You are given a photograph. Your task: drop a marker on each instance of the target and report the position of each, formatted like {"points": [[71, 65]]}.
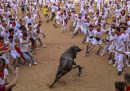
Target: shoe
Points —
{"points": [[30, 64], [119, 73], [110, 62], [35, 63], [44, 46], [128, 65], [101, 54], [114, 65]]}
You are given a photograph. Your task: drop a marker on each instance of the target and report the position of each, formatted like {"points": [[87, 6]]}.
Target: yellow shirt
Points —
{"points": [[45, 11]]}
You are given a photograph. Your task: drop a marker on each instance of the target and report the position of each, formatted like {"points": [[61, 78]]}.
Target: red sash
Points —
{"points": [[127, 88]]}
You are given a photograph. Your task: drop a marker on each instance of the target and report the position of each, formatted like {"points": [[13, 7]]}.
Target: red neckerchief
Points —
{"points": [[127, 88], [118, 34]]}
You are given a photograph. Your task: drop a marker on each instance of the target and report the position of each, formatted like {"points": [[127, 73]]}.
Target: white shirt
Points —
{"points": [[98, 34], [12, 46], [58, 14], [18, 34], [119, 42], [30, 20], [25, 47], [79, 22], [40, 2], [90, 33], [54, 8], [5, 35], [117, 12]]}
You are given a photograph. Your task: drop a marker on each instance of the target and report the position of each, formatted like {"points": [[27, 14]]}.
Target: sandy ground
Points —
{"points": [[97, 74]]}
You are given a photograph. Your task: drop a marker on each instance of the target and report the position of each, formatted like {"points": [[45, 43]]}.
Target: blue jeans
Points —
{"points": [[28, 56]]}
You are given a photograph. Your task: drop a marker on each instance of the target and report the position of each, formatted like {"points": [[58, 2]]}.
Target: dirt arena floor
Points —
{"points": [[97, 74]]}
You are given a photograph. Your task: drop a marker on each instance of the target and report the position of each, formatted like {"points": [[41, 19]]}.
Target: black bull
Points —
{"points": [[67, 63]]}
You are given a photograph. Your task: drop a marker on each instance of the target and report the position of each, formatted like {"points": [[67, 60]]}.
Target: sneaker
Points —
{"points": [[35, 63], [114, 65], [102, 54], [110, 62], [30, 64], [44, 46], [128, 65]]}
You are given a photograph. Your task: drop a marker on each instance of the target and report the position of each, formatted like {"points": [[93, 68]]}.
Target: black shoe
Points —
{"points": [[119, 73]]}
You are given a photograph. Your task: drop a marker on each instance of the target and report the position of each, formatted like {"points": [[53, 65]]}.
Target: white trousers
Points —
{"points": [[14, 54], [119, 61]]}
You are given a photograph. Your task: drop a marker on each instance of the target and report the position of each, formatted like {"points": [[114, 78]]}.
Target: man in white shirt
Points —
{"points": [[25, 48], [13, 52], [29, 19], [119, 39], [5, 34], [54, 8], [79, 25]]}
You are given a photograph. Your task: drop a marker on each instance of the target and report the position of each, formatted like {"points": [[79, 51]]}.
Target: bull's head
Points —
{"points": [[75, 49]]}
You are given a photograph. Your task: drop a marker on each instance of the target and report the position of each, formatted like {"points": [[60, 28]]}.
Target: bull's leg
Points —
{"points": [[79, 68], [58, 76], [74, 63]]}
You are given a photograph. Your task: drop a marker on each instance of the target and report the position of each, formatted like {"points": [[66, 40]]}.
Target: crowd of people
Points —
{"points": [[100, 23]]}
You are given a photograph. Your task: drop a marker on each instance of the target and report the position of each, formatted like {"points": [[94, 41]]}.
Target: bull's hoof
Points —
{"points": [[50, 86], [80, 72]]}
